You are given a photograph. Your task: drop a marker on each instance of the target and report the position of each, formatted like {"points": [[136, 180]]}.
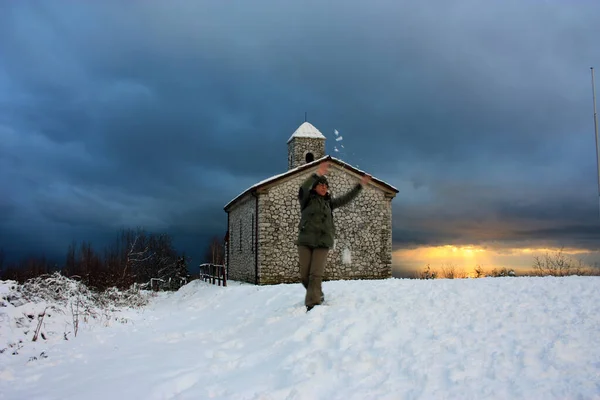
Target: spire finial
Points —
{"points": [[305, 116]]}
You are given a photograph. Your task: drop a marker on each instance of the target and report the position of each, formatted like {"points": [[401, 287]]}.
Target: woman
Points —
{"points": [[317, 229]]}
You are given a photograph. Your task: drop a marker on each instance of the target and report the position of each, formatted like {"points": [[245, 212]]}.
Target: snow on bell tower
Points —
{"points": [[305, 145]]}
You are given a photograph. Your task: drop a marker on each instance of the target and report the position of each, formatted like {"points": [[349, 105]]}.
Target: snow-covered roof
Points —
{"points": [[304, 167], [307, 130]]}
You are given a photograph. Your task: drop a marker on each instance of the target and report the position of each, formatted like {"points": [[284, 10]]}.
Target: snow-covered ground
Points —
{"points": [[492, 338]]}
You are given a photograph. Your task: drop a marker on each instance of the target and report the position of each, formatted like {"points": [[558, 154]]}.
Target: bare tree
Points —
{"points": [[138, 254], [127, 259], [215, 251], [558, 264], [135, 256], [70, 262], [175, 275], [86, 255], [32, 266]]}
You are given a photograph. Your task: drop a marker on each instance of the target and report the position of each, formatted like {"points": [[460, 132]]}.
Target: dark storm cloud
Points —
{"points": [[158, 113]]}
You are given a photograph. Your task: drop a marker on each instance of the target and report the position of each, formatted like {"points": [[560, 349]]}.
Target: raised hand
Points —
{"points": [[323, 168], [365, 179]]}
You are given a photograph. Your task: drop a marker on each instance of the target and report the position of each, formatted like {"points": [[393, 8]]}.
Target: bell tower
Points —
{"points": [[305, 145]]}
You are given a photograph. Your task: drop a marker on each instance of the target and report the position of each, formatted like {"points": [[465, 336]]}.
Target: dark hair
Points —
{"points": [[321, 179]]}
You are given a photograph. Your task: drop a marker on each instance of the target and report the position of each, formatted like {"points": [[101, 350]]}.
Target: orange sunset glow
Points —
{"points": [[408, 262]]}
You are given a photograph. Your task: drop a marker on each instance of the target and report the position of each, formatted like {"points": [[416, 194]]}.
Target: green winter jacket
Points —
{"points": [[316, 228]]}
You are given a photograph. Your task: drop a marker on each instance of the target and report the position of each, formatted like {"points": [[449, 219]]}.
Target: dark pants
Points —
{"points": [[312, 265]]}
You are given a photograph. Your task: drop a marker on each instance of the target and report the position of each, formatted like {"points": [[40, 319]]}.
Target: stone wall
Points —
{"points": [[363, 246], [242, 252], [298, 147]]}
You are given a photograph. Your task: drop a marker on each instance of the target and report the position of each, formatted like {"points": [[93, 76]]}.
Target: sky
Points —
{"points": [[490, 338], [156, 114]]}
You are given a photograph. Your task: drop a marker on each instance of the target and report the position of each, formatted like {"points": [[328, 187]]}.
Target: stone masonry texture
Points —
{"points": [[363, 242], [299, 147], [242, 254]]}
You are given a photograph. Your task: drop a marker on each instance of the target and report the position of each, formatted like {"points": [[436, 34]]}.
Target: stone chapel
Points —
{"points": [[262, 221]]}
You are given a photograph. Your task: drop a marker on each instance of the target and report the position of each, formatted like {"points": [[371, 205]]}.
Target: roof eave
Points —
{"points": [[254, 189], [294, 136]]}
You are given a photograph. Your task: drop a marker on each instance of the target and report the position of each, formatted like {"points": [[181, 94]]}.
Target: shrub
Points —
{"points": [[450, 271], [479, 272], [428, 273], [496, 273]]}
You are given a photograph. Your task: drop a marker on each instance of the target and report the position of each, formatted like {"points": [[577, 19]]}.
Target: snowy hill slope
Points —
{"points": [[492, 338]]}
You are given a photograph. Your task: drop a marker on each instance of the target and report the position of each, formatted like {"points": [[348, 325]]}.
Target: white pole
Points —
{"points": [[596, 131]]}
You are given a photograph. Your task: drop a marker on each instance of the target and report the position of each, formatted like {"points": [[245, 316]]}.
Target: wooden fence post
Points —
{"points": [[213, 273]]}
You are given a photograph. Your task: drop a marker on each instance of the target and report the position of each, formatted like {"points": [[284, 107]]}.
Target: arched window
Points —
{"points": [[309, 157]]}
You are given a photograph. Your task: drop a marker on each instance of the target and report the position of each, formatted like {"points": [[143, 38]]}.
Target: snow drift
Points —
{"points": [[491, 338]]}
